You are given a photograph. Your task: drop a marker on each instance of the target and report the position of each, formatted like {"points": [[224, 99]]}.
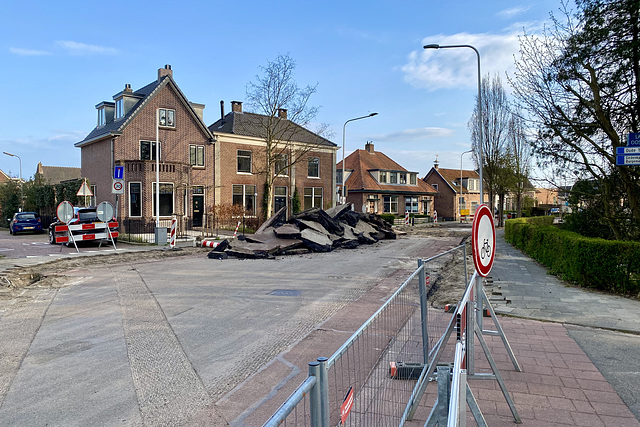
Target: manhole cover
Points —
{"points": [[285, 293]]}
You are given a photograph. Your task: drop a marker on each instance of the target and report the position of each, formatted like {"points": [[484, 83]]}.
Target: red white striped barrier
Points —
{"points": [[172, 240], [236, 232], [209, 244], [406, 218], [101, 228]]}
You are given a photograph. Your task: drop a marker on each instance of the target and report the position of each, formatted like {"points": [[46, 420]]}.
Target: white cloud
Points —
{"points": [[513, 11], [28, 52], [77, 48], [454, 68], [414, 135]]}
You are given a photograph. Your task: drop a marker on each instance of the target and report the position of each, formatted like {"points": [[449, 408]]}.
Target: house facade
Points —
{"points": [[455, 196], [125, 135], [303, 161], [377, 184]]}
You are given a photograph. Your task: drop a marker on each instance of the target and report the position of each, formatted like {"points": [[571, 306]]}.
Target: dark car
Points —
{"points": [[80, 216], [25, 221]]}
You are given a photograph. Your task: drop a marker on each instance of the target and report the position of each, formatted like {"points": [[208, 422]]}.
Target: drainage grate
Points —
{"points": [[285, 293]]}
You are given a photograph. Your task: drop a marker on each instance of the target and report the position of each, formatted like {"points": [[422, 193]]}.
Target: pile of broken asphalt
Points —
{"points": [[313, 230]]}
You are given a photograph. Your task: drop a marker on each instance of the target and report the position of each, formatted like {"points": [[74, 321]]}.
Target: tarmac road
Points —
{"points": [[156, 343]]}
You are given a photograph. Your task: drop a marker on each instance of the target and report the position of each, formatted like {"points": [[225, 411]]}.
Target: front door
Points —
{"points": [[198, 210]]}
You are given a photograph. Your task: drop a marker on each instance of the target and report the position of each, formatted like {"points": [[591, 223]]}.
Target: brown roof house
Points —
{"points": [[301, 160], [125, 135], [57, 174], [453, 198], [4, 177], [377, 184]]}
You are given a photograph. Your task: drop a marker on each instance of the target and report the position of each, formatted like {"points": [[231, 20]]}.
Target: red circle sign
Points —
{"points": [[117, 186], [483, 240]]}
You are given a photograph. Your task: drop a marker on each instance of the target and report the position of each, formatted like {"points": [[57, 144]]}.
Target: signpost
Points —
{"points": [[633, 139], [629, 155], [117, 186], [483, 240]]}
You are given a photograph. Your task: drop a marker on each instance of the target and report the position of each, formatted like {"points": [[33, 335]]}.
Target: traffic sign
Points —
{"points": [[105, 211], [483, 240], [118, 172], [627, 150], [633, 139], [628, 160], [117, 186], [64, 211], [84, 190]]}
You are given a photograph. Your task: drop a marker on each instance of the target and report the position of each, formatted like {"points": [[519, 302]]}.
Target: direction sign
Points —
{"points": [[628, 160], [627, 150], [118, 172], [483, 240], [117, 186], [64, 211], [633, 139]]}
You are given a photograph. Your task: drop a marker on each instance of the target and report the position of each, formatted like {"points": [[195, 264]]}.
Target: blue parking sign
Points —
{"points": [[118, 172]]}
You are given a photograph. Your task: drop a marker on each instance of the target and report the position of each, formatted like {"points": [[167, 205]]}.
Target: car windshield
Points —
{"points": [[87, 215], [26, 216]]}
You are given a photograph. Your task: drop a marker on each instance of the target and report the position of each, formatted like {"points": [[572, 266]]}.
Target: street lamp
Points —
{"points": [[437, 46], [460, 200], [21, 195], [344, 128]]}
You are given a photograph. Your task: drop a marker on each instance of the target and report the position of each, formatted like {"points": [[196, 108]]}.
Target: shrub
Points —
{"points": [[590, 262], [388, 218]]}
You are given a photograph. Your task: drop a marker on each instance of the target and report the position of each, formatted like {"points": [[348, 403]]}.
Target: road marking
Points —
{"points": [[6, 249]]}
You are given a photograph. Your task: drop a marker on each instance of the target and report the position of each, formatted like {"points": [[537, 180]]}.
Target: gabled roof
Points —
{"points": [[146, 93], [4, 177], [254, 125], [57, 174], [362, 162], [452, 176]]}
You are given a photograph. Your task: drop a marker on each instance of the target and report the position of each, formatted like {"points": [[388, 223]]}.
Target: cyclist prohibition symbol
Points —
{"points": [[483, 240]]}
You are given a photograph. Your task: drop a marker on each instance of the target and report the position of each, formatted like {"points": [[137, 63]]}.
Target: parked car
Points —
{"points": [[80, 216], [25, 221]]}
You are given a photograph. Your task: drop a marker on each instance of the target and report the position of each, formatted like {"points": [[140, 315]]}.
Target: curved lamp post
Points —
{"points": [[344, 128], [21, 195], [480, 159]]}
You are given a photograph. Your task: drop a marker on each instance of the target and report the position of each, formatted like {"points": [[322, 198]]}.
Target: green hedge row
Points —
{"points": [[607, 265]]}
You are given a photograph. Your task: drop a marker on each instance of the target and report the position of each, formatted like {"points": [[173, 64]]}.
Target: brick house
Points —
{"points": [[307, 162], [125, 135], [447, 181], [377, 184]]}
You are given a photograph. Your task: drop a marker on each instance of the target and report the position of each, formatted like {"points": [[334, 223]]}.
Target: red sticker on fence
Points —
{"points": [[346, 406]]}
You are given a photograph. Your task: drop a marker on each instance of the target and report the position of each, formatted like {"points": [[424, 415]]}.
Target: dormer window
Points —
{"points": [[383, 177], [102, 118], [413, 179], [403, 178], [119, 108], [166, 117]]}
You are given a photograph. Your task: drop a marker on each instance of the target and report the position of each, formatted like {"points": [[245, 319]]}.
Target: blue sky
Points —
{"points": [[60, 59]]}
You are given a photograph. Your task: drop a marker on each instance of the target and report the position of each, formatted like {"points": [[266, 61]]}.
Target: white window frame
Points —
{"points": [[250, 161], [152, 150], [281, 159], [411, 204], [168, 112], [313, 197], [390, 201], [119, 108], [384, 177], [129, 199], [309, 162], [102, 117], [244, 197], [173, 198], [393, 177], [413, 179], [196, 149]]}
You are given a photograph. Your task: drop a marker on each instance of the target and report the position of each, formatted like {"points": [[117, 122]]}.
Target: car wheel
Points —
{"points": [[52, 239]]}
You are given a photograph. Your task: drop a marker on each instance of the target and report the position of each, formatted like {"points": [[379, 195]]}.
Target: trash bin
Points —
{"points": [[161, 236]]}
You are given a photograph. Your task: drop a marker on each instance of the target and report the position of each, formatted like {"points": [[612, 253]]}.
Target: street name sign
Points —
{"points": [[633, 139], [628, 160], [627, 150]]}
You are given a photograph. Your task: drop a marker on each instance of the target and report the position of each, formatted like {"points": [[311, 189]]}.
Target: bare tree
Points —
{"points": [[495, 127], [580, 85], [285, 110], [520, 153]]}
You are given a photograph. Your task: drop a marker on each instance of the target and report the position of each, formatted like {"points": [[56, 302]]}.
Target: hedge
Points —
{"points": [[607, 265]]}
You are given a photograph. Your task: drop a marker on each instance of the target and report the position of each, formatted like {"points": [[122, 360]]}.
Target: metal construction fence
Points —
{"points": [[371, 377]]}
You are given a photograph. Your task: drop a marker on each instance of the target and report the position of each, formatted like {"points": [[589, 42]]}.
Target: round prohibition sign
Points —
{"points": [[117, 186], [483, 240]]}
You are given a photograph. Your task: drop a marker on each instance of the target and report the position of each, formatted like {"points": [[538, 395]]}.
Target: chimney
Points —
{"points": [[369, 147], [221, 113], [198, 108], [282, 113], [236, 106], [436, 163], [166, 71], [127, 88]]}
